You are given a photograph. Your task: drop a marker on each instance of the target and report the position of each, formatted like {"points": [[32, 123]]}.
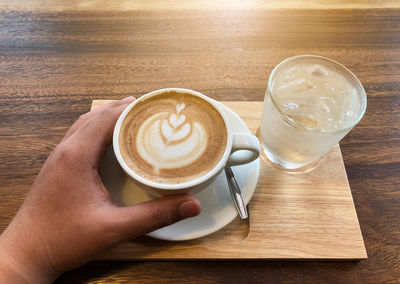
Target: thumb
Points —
{"points": [[145, 217]]}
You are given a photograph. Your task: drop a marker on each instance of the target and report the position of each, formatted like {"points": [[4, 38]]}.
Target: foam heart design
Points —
{"points": [[166, 130], [172, 135], [190, 143], [180, 107], [176, 121]]}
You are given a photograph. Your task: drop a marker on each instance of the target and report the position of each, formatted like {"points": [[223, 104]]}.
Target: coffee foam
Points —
{"points": [[172, 138]]}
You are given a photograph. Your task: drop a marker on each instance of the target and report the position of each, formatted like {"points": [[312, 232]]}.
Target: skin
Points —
{"points": [[68, 216]]}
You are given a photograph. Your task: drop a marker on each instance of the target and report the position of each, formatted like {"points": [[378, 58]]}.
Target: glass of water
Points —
{"points": [[310, 104]]}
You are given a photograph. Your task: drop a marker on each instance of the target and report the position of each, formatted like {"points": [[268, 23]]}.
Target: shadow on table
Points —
{"points": [[210, 271]]}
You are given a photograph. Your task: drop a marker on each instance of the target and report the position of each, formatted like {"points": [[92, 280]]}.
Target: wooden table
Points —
{"points": [[56, 57]]}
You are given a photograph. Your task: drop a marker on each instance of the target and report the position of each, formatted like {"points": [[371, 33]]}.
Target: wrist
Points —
{"points": [[20, 263]]}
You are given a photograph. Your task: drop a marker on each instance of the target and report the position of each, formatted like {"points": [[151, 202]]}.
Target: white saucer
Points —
{"points": [[218, 209]]}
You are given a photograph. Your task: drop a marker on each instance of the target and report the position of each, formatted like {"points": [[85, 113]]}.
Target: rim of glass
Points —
{"points": [[352, 76]]}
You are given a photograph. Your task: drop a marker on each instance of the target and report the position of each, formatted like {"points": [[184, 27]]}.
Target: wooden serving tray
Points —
{"points": [[292, 216]]}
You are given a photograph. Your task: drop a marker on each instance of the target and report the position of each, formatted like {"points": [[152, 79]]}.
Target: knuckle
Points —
{"points": [[106, 112], [66, 152], [84, 116], [116, 103], [111, 105]]}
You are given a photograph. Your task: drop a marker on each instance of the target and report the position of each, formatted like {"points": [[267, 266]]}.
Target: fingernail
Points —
{"points": [[130, 98], [189, 209]]}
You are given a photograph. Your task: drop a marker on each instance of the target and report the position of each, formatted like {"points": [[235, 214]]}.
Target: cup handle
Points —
{"points": [[248, 144]]}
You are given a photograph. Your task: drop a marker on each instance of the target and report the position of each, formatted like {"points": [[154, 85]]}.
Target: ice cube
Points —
{"points": [[307, 121], [325, 107], [300, 111], [355, 101], [296, 86], [350, 101], [290, 106], [317, 71], [351, 105], [323, 114], [328, 86], [290, 75]]}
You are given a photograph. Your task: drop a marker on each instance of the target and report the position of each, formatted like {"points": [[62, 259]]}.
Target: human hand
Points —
{"points": [[68, 216]]}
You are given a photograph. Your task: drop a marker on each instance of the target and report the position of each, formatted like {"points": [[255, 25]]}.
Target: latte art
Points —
{"points": [[172, 138], [168, 141]]}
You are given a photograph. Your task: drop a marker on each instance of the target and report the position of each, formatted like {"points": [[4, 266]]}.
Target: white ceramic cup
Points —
{"points": [[247, 144]]}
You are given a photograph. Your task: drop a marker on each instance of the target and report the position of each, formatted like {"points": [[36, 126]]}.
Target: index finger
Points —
{"points": [[95, 134], [84, 117]]}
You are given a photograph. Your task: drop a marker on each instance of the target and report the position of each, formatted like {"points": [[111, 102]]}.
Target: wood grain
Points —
{"points": [[53, 64], [132, 5], [307, 216]]}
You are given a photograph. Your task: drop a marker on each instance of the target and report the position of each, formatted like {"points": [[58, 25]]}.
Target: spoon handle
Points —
{"points": [[236, 193]]}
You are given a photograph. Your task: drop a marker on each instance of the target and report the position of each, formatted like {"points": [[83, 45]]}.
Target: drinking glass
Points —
{"points": [[310, 104]]}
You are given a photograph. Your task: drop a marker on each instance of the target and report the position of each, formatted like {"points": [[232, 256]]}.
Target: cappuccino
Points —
{"points": [[172, 138]]}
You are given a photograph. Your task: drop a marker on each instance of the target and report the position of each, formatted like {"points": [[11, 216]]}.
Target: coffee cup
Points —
{"points": [[174, 141]]}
